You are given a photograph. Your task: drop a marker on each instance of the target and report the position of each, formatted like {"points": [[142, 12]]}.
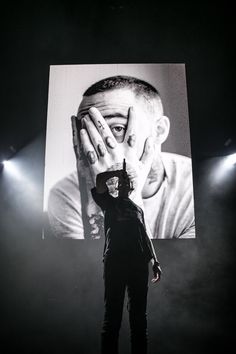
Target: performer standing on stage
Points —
{"points": [[127, 252]]}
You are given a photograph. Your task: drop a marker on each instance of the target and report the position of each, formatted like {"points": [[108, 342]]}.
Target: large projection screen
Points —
{"points": [[168, 202]]}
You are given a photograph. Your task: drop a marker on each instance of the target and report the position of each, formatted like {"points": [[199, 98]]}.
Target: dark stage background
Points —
{"points": [[52, 293]]}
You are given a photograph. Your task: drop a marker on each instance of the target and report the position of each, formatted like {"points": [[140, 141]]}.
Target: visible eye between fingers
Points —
{"points": [[118, 130]]}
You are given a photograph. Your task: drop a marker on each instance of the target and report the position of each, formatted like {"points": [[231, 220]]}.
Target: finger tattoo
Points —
{"points": [[91, 157], [110, 142], [131, 140], [101, 150], [100, 125]]}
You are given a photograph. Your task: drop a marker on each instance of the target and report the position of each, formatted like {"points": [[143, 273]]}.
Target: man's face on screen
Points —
{"points": [[114, 106]]}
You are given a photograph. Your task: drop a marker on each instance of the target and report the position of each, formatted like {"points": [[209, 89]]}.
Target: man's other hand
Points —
{"points": [[156, 272]]}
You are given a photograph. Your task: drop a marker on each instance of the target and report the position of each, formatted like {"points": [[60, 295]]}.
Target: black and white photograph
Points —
{"points": [[99, 115], [117, 177]]}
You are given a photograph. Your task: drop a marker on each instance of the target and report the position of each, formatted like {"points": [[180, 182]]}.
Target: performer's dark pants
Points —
{"points": [[117, 277]]}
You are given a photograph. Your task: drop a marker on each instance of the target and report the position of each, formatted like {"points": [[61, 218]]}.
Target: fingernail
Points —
{"points": [[92, 109], [91, 157], [110, 142], [101, 150], [82, 131]]}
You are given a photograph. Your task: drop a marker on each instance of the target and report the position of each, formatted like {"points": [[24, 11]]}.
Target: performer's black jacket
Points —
{"points": [[125, 231]]}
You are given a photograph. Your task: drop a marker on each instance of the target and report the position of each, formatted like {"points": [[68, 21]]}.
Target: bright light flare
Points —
{"points": [[230, 161], [11, 168], [223, 168]]}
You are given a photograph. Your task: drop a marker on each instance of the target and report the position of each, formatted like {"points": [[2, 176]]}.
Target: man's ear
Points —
{"points": [[162, 129]]}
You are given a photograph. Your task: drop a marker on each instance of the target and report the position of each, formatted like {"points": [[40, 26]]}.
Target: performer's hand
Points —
{"points": [[156, 272], [98, 144]]}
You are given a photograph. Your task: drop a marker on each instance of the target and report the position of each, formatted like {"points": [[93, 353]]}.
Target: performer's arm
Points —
{"points": [[155, 263], [103, 177], [149, 241]]}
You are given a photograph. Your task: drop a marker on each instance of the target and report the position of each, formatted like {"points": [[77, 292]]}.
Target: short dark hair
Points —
{"points": [[139, 87]]}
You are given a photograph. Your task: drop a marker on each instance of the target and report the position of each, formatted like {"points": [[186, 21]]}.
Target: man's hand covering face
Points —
{"points": [[102, 151]]}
